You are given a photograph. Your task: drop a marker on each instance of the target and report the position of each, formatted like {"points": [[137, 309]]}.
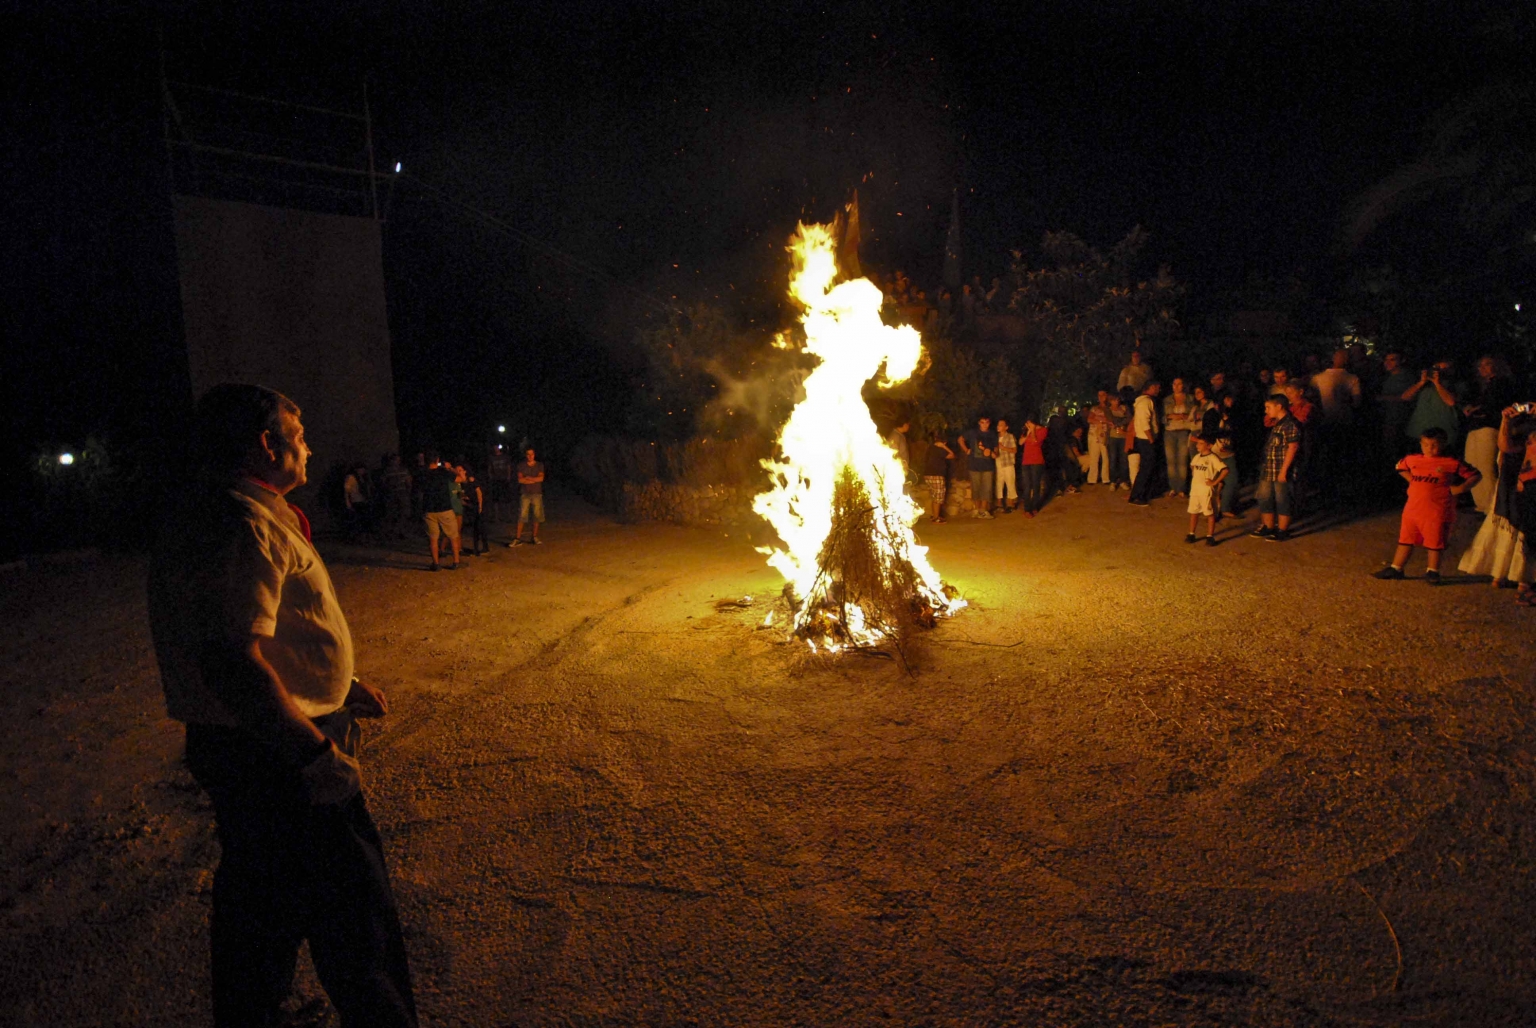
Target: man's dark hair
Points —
{"points": [[1435, 433], [1279, 400], [433, 456], [1150, 384], [229, 421]]}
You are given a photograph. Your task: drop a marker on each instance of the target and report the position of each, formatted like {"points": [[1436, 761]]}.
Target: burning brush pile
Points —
{"points": [[856, 576]]}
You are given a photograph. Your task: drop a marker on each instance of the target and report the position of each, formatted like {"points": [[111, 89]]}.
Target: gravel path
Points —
{"points": [[1137, 783]]}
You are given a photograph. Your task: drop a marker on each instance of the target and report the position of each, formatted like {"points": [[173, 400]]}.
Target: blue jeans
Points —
{"points": [[1176, 449], [1273, 497]]}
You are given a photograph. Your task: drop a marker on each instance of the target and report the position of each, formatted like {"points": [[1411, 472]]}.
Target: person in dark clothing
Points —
{"points": [[437, 496], [1058, 476], [257, 661], [472, 497]]}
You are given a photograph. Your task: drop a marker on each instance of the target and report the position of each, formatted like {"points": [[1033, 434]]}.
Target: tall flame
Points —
{"points": [[831, 431]]}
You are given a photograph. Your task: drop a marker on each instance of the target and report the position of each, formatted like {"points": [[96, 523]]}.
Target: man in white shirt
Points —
{"points": [[1337, 460], [1338, 390], [257, 660], [1145, 430], [1134, 375]]}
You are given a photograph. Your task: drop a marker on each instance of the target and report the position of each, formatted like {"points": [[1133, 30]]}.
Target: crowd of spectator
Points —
{"points": [[446, 498], [1308, 441]]}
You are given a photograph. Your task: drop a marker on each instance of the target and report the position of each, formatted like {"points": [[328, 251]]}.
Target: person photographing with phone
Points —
{"points": [[1435, 397], [257, 661]]}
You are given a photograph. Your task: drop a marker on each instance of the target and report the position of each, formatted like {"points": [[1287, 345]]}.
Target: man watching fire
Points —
{"points": [[257, 661]]}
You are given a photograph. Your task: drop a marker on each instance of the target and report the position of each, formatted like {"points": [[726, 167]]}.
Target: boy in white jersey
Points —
{"points": [[1206, 474]]}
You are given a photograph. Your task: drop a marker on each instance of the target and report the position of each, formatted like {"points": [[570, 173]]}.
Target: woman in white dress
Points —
{"points": [[1499, 550]]}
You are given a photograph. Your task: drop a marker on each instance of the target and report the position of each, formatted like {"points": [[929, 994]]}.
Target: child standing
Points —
{"points": [[936, 477], [1006, 456], [1207, 472], [1434, 481]]}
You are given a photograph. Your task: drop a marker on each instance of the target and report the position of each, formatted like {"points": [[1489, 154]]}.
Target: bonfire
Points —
{"points": [[855, 574]]}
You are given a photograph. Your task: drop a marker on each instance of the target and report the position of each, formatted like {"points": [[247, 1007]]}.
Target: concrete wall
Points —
{"points": [[293, 300]]}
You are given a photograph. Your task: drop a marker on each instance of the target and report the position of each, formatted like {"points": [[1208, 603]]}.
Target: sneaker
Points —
{"points": [[1388, 573], [1262, 532], [1433, 577], [537, 541], [1140, 503], [985, 515], [435, 567], [1278, 537], [1190, 537], [1210, 540], [454, 566], [515, 542], [1029, 513]]}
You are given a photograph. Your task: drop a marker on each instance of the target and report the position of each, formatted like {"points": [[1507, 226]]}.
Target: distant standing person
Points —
{"points": [[1207, 472], [395, 483], [936, 477], [1143, 456], [500, 474], [1098, 441], [257, 661], [1006, 459], [1434, 404], [473, 499], [1491, 392], [1392, 409], [979, 444], [1282, 450], [1135, 374], [1498, 550], [1435, 479], [530, 505], [1117, 442], [354, 495], [1032, 466], [1179, 423], [437, 515], [897, 441]]}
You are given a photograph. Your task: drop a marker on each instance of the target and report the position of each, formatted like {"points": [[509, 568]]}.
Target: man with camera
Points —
{"points": [[1434, 399]]}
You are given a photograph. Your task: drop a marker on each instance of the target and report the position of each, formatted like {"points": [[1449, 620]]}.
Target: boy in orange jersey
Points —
{"points": [[1434, 482]]}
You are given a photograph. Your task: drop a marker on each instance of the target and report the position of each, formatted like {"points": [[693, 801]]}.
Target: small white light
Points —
{"points": [[1517, 306], [66, 458], [501, 428], [397, 167]]}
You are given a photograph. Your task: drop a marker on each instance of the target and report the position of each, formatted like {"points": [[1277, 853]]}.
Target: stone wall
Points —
{"points": [[685, 504]]}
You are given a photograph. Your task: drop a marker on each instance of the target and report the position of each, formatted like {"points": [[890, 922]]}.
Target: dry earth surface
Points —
{"points": [[1136, 783]]}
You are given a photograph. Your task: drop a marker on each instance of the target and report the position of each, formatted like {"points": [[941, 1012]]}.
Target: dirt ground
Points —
{"points": [[1136, 783]]}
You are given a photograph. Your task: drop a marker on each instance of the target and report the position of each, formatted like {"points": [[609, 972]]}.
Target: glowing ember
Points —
{"points": [[837, 500]]}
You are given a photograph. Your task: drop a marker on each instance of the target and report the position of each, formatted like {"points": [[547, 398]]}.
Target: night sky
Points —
{"points": [[675, 145]]}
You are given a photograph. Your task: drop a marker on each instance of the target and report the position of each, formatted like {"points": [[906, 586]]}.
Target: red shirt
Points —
{"points": [[1030, 445], [1430, 480]]}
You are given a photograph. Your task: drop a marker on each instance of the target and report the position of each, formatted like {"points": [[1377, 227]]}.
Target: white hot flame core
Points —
{"points": [[831, 429]]}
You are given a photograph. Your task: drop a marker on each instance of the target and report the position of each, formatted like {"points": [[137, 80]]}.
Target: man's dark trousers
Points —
{"points": [[291, 871], [1146, 473]]}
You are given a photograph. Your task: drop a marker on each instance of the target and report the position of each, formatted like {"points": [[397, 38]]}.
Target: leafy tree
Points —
{"points": [[1085, 309], [1457, 224]]}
